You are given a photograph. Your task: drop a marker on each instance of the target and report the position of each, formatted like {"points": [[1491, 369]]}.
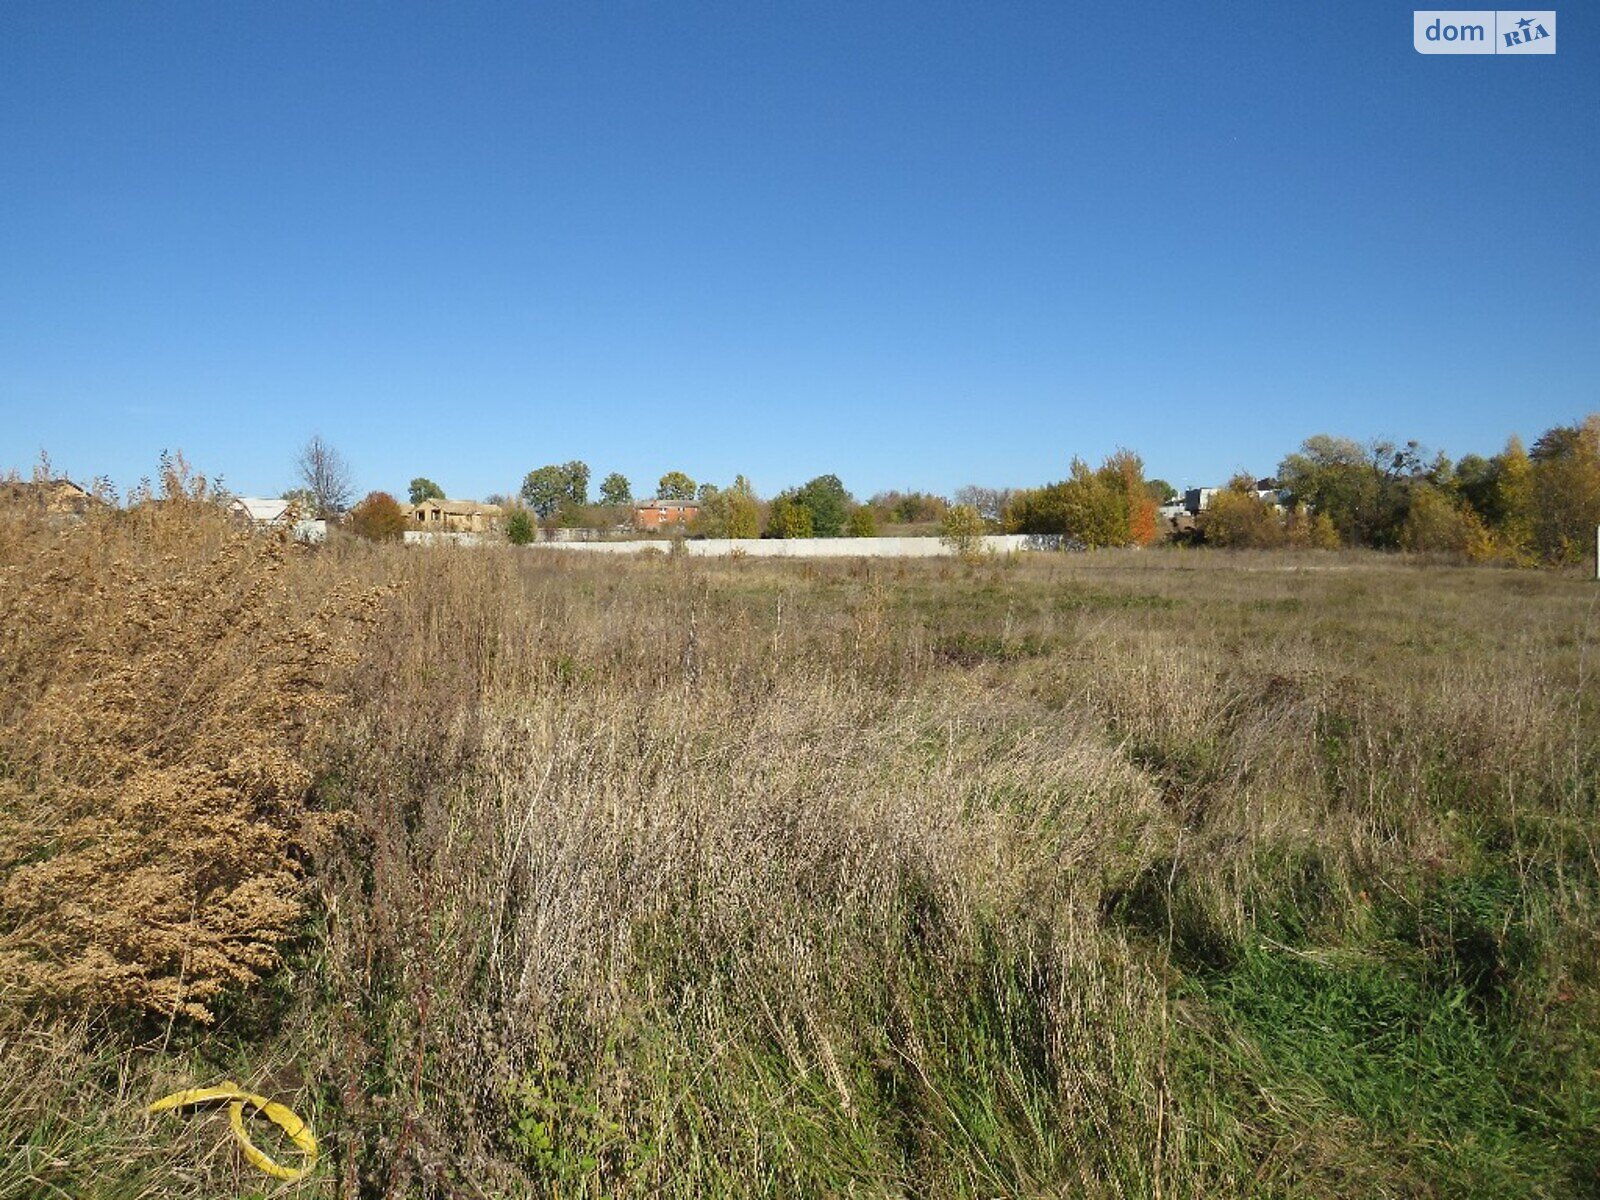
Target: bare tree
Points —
{"points": [[990, 503], [326, 476]]}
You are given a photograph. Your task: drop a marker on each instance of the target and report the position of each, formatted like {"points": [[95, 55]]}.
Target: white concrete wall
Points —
{"points": [[887, 547], [579, 535], [430, 537]]}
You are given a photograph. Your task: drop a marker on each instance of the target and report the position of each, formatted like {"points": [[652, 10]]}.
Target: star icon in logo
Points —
{"points": [[1524, 23]]}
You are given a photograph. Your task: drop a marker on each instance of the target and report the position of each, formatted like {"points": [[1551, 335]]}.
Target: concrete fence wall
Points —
{"points": [[440, 537], [886, 547]]}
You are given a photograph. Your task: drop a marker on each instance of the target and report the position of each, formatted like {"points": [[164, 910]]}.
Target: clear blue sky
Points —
{"points": [[917, 244]]}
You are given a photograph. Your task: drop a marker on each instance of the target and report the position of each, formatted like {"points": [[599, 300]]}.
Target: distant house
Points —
{"points": [[453, 516], [259, 510], [265, 512], [656, 513], [58, 497], [1197, 500]]}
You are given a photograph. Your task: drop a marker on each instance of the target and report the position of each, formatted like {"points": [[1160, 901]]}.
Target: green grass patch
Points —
{"points": [[1102, 601], [1425, 1034], [972, 649]]}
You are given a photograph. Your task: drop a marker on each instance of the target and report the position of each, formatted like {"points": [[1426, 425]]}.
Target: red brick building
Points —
{"points": [[658, 514]]}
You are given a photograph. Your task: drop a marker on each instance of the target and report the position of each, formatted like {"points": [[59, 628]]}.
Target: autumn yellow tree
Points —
{"points": [[1089, 507], [1436, 523], [1128, 468], [1514, 485], [1564, 490], [1307, 530], [788, 519]]}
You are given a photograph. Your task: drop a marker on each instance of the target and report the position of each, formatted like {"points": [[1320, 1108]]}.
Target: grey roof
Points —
{"points": [[262, 509]]}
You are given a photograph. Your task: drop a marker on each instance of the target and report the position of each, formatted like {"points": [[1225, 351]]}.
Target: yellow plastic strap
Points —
{"points": [[279, 1114]]}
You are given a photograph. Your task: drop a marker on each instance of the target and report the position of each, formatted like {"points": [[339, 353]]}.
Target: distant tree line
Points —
{"points": [[1518, 506]]}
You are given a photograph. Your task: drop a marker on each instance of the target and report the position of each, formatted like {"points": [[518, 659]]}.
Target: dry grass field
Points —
{"points": [[1159, 874]]}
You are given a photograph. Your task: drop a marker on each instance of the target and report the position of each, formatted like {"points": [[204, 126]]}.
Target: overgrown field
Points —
{"points": [[1159, 873]]}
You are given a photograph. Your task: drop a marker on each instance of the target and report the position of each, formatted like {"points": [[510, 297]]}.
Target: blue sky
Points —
{"points": [[915, 244]]}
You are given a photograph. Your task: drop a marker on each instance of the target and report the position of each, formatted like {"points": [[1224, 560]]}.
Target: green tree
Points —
{"points": [[616, 490], [829, 504], [1334, 476], [712, 519], [961, 528], [909, 508], [788, 518], [423, 488], [675, 485], [862, 522], [1477, 483], [546, 489], [1160, 491], [577, 473], [520, 529], [1399, 471], [1033, 510], [377, 518]]}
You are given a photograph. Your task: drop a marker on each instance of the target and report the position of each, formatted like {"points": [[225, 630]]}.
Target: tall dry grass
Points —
{"points": [[1156, 874]]}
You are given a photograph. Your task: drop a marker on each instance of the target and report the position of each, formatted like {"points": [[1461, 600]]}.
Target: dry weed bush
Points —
{"points": [[165, 683]]}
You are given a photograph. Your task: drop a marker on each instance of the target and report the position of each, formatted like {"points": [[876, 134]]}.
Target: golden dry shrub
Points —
{"points": [[164, 673]]}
